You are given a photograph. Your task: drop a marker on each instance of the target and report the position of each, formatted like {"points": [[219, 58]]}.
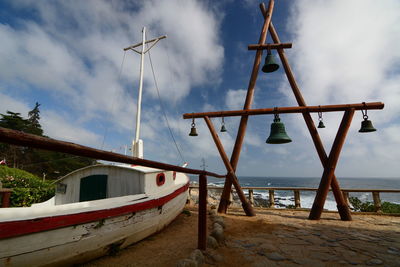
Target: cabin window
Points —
{"points": [[61, 188], [160, 179], [93, 187]]}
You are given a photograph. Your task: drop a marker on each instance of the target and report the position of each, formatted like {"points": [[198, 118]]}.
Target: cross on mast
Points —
{"points": [[137, 143]]}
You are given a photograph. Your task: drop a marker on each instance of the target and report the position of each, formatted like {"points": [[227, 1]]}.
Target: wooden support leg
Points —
{"points": [[343, 209], [329, 169], [231, 176], [202, 223], [224, 203]]}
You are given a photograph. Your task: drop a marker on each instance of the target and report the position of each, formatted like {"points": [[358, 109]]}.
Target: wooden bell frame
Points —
{"points": [[329, 163]]}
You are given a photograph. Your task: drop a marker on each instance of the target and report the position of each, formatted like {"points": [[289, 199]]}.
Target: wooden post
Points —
{"points": [[346, 198], [297, 199], [329, 170], [377, 201], [224, 203], [271, 199], [5, 200], [251, 197], [202, 224], [248, 209], [343, 209]]}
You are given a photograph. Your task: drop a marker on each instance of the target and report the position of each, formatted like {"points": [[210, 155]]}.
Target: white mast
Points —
{"points": [[137, 143]]}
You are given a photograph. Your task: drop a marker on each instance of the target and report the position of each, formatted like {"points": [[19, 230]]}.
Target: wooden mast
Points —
{"points": [[137, 143]]}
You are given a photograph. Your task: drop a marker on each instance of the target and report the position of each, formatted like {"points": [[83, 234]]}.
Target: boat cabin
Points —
{"points": [[108, 181]]}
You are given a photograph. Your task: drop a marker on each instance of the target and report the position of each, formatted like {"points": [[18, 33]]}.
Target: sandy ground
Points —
{"points": [[273, 238]]}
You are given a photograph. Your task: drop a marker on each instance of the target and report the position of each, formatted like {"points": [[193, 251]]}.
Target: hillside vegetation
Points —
{"points": [[27, 188], [48, 164]]}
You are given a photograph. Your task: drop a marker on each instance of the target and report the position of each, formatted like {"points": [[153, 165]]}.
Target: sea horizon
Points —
{"points": [[286, 197]]}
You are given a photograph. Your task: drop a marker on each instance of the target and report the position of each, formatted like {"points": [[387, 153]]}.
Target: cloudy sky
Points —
{"points": [[67, 55]]}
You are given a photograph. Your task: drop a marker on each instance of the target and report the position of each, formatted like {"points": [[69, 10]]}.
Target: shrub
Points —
{"points": [[27, 188], [386, 207]]}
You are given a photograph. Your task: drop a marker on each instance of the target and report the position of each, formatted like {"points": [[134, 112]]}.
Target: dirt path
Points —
{"points": [[273, 238], [165, 248]]}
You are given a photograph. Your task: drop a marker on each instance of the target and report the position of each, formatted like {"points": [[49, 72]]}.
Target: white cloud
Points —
{"points": [[235, 99], [342, 56], [58, 127], [72, 52]]}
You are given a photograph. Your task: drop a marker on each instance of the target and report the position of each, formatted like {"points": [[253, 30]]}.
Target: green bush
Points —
{"points": [[368, 206], [27, 188]]}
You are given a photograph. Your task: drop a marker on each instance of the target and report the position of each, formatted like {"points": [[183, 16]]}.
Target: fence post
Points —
{"points": [[271, 199], [297, 199], [251, 197], [346, 198], [377, 201], [202, 224]]}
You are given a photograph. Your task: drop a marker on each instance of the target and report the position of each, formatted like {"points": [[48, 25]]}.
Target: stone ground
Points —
{"points": [[273, 238]]}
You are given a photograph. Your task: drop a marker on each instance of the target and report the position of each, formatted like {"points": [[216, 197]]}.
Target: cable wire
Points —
{"points": [[113, 101], [163, 110]]}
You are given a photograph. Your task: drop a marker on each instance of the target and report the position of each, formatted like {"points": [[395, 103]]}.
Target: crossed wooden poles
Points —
{"points": [[329, 163]]}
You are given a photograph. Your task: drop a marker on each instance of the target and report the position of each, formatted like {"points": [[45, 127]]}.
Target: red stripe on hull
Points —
{"points": [[16, 228]]}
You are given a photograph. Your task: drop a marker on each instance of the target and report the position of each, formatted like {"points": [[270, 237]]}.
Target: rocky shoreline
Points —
{"points": [[214, 195]]}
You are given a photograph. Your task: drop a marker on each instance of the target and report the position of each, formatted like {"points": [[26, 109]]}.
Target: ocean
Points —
{"points": [[307, 197]]}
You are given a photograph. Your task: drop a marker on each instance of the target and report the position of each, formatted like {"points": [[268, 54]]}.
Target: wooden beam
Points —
{"points": [[269, 46], [223, 205], [282, 110], [330, 167], [202, 219], [29, 140], [231, 173]]}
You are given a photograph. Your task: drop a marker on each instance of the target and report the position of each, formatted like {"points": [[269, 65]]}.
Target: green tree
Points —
{"points": [[39, 162], [33, 119]]}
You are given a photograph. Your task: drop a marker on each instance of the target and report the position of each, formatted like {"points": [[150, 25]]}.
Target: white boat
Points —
{"points": [[96, 210]]}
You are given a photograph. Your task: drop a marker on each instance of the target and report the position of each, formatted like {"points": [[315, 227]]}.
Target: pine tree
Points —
{"points": [[33, 119]]}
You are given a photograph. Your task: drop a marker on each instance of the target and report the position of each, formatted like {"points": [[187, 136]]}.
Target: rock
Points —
{"points": [[212, 242], [213, 212], [220, 223], [218, 234], [186, 263], [217, 218], [197, 256], [214, 257], [374, 262], [275, 256], [218, 226]]}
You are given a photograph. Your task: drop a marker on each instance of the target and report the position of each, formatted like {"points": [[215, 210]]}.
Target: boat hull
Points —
{"points": [[81, 242]]}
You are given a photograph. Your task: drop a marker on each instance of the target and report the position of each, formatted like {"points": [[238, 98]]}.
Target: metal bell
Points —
{"points": [[366, 126], [278, 133], [270, 63], [321, 124], [223, 129], [193, 131]]}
